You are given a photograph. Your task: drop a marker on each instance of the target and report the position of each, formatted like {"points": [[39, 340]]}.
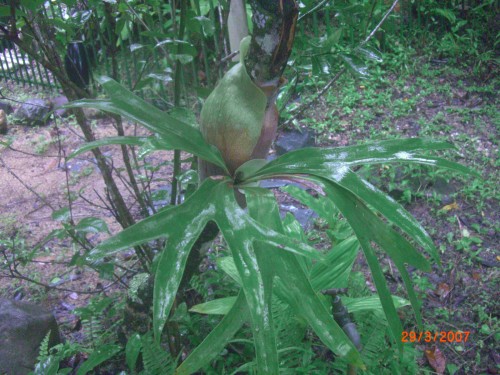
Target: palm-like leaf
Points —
{"points": [[267, 256], [330, 169], [174, 133]]}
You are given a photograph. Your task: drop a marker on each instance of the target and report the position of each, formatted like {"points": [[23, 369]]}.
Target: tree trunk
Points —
{"points": [[237, 25]]}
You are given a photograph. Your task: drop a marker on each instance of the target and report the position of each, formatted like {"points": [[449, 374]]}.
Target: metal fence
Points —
{"points": [[17, 67]]}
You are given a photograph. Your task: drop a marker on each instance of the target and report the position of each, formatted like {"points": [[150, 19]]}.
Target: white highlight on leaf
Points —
{"points": [[403, 155], [339, 172]]}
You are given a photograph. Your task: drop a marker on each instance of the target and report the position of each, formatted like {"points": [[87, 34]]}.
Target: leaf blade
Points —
{"points": [[298, 291], [217, 339], [123, 102]]}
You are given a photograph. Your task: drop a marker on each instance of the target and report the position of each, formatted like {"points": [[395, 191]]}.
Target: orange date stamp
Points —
{"points": [[441, 336]]}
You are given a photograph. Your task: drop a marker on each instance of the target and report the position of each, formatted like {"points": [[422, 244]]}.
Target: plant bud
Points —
{"points": [[237, 118]]}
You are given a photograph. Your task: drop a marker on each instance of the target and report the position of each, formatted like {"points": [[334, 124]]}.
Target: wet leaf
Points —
{"points": [[219, 306], [97, 357], [334, 163], [133, 141], [335, 271], [217, 339], [132, 350], [176, 133], [356, 65], [436, 359], [294, 286], [62, 214], [451, 206], [368, 53], [174, 45], [370, 303], [92, 225]]}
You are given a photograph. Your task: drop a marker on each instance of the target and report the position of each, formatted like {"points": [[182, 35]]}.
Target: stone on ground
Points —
{"points": [[23, 326]]}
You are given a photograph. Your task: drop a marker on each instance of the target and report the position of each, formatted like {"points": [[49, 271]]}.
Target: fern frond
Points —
{"points": [[43, 353], [156, 360]]}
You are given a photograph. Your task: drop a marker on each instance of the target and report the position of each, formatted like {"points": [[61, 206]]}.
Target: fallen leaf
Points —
{"points": [[476, 275], [436, 359], [451, 206], [443, 290]]}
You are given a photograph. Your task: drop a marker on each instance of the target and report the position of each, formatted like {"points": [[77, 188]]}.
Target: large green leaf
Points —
{"points": [[132, 141], [227, 265], [392, 210], [97, 357], [354, 305], [250, 243], [173, 261], [335, 163], [297, 288], [331, 169], [370, 229], [179, 135], [236, 225], [323, 207], [163, 224], [132, 351], [182, 225], [334, 272], [257, 274], [219, 306], [217, 339]]}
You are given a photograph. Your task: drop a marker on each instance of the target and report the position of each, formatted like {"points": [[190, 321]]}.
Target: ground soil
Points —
{"points": [[34, 182]]}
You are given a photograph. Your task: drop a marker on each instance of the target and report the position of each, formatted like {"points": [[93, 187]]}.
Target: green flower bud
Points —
{"points": [[232, 118]]}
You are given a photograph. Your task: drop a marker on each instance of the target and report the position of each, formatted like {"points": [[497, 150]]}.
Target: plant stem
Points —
{"points": [[177, 99]]}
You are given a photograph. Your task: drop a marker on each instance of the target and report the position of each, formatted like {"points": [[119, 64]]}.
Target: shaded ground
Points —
{"points": [[461, 213]]}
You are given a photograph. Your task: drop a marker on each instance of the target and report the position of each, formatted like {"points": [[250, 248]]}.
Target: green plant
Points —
{"points": [[96, 345], [265, 258]]}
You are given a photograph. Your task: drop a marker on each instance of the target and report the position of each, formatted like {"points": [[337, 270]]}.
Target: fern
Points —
{"points": [[98, 325], [43, 353], [135, 284], [379, 356], [156, 360], [48, 359]]}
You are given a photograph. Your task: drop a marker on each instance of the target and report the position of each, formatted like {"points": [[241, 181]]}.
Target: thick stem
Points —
{"points": [[273, 34], [237, 25]]}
